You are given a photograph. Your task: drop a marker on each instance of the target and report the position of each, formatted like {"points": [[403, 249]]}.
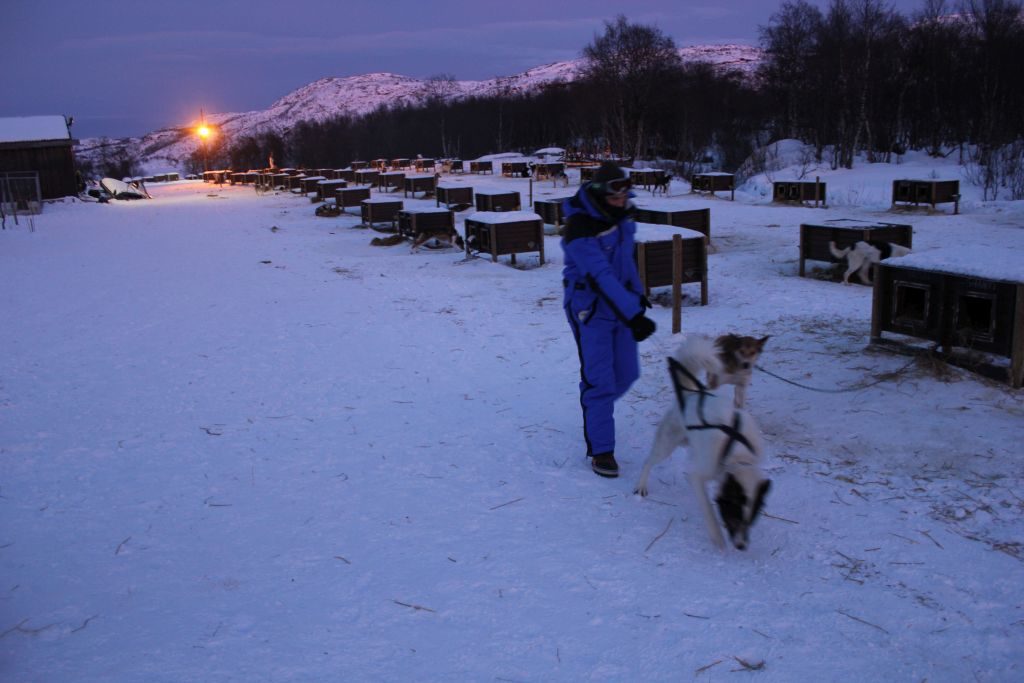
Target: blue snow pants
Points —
{"points": [[609, 364]]}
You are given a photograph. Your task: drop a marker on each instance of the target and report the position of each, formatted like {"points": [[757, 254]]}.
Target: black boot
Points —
{"points": [[604, 464]]}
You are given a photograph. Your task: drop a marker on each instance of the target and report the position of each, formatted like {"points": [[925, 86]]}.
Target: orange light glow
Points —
{"points": [[204, 132]]}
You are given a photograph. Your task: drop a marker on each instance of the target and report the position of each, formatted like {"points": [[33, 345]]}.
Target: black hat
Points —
{"points": [[609, 170], [610, 179]]}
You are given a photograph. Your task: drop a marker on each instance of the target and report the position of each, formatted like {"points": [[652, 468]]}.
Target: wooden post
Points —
{"points": [[803, 237], [492, 230], [540, 238], [876, 306], [817, 179], [1017, 350], [641, 257], [677, 283]]}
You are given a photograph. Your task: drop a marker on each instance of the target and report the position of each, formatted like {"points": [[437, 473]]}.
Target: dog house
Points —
{"points": [[423, 165], [374, 211], [367, 176], [500, 233], [358, 165], [550, 211], [434, 222], [671, 257], [845, 232], [930, 192], [454, 195], [347, 174], [481, 167], [587, 173], [645, 177], [325, 189], [399, 163], [453, 166], [516, 169], [392, 180], [714, 182], [488, 200], [966, 300], [351, 196], [311, 183], [665, 213], [426, 184], [798, 191]]}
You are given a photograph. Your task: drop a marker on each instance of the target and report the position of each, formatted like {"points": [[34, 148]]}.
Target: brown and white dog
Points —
{"points": [[723, 442], [437, 239], [738, 355], [864, 255]]}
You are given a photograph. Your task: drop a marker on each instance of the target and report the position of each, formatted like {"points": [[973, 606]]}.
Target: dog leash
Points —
{"points": [[840, 390]]}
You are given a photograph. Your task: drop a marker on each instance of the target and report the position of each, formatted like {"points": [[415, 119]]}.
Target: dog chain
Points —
{"points": [[840, 390]]}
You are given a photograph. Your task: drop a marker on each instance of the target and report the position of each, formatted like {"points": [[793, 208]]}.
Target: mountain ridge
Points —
{"points": [[167, 149]]}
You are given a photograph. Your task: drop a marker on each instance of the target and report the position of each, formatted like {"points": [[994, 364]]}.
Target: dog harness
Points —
{"points": [[675, 369]]}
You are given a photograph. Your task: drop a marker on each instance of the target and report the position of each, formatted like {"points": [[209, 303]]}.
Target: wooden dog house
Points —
{"points": [[670, 256], [845, 232], [798, 191], [714, 182], [481, 167], [430, 221], [426, 184], [497, 200], [454, 195], [930, 192], [325, 189], [944, 296], [504, 232], [666, 213], [373, 211], [351, 196]]}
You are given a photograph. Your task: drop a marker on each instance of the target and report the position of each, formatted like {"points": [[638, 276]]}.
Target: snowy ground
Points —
{"points": [[238, 443]]}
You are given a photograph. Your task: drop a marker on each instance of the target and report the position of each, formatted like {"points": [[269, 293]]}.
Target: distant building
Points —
{"points": [[43, 145]]}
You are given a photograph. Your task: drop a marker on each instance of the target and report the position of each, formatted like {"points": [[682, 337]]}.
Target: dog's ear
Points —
{"points": [[761, 342]]}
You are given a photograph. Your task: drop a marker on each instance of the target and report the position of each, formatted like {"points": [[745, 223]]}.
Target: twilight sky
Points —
{"points": [[126, 68]]}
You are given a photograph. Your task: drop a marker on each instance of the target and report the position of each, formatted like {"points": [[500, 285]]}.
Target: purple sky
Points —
{"points": [[126, 68]]}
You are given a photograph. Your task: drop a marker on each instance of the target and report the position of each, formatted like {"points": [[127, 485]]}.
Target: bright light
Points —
{"points": [[204, 132]]}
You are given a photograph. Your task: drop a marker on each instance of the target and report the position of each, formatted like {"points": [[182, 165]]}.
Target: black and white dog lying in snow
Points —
{"points": [[864, 255], [724, 444]]}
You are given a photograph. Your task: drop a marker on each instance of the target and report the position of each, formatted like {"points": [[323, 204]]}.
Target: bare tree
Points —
{"points": [[629, 63]]}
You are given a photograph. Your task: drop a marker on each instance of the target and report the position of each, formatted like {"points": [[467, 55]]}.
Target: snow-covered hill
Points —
{"points": [[166, 149]]}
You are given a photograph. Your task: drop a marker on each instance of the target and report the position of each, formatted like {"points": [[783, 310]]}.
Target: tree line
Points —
{"points": [[855, 78]]}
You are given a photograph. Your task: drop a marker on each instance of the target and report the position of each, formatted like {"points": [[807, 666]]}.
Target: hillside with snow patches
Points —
{"points": [[166, 149]]}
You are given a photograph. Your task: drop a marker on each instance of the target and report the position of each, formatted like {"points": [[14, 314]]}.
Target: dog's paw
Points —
{"points": [[640, 491]]}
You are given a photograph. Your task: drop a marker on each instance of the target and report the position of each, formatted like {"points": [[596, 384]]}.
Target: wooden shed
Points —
{"points": [[40, 145]]}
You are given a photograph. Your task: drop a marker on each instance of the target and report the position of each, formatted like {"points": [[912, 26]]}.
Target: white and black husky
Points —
{"points": [[724, 444], [864, 255]]}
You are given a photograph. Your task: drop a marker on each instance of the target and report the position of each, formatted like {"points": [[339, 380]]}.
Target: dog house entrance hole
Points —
{"points": [[910, 303], [976, 317]]}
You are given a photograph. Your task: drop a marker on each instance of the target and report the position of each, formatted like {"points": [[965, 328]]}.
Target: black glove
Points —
{"points": [[645, 302], [642, 327]]}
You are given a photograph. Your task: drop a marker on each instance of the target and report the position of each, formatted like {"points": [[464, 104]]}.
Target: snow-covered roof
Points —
{"points": [[991, 263], [502, 216], [651, 232], [33, 129]]}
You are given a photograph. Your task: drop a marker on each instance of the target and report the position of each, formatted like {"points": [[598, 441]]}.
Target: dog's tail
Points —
{"points": [[698, 353], [837, 252]]}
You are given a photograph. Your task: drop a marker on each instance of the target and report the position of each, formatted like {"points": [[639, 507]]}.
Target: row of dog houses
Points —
{"points": [[953, 310]]}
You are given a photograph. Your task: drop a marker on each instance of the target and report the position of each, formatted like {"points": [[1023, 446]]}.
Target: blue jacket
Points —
{"points": [[599, 264]]}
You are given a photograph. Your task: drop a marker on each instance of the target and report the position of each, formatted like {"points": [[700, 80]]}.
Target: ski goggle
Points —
{"points": [[617, 187]]}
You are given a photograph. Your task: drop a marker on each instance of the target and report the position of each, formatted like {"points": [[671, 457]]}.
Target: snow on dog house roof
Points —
{"points": [[33, 129]]}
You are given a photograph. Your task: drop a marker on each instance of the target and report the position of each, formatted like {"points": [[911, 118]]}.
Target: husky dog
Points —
{"points": [[863, 255], [438, 238], [661, 183], [738, 356], [724, 444]]}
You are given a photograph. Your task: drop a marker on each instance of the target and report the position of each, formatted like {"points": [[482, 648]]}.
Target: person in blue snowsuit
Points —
{"points": [[604, 303]]}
